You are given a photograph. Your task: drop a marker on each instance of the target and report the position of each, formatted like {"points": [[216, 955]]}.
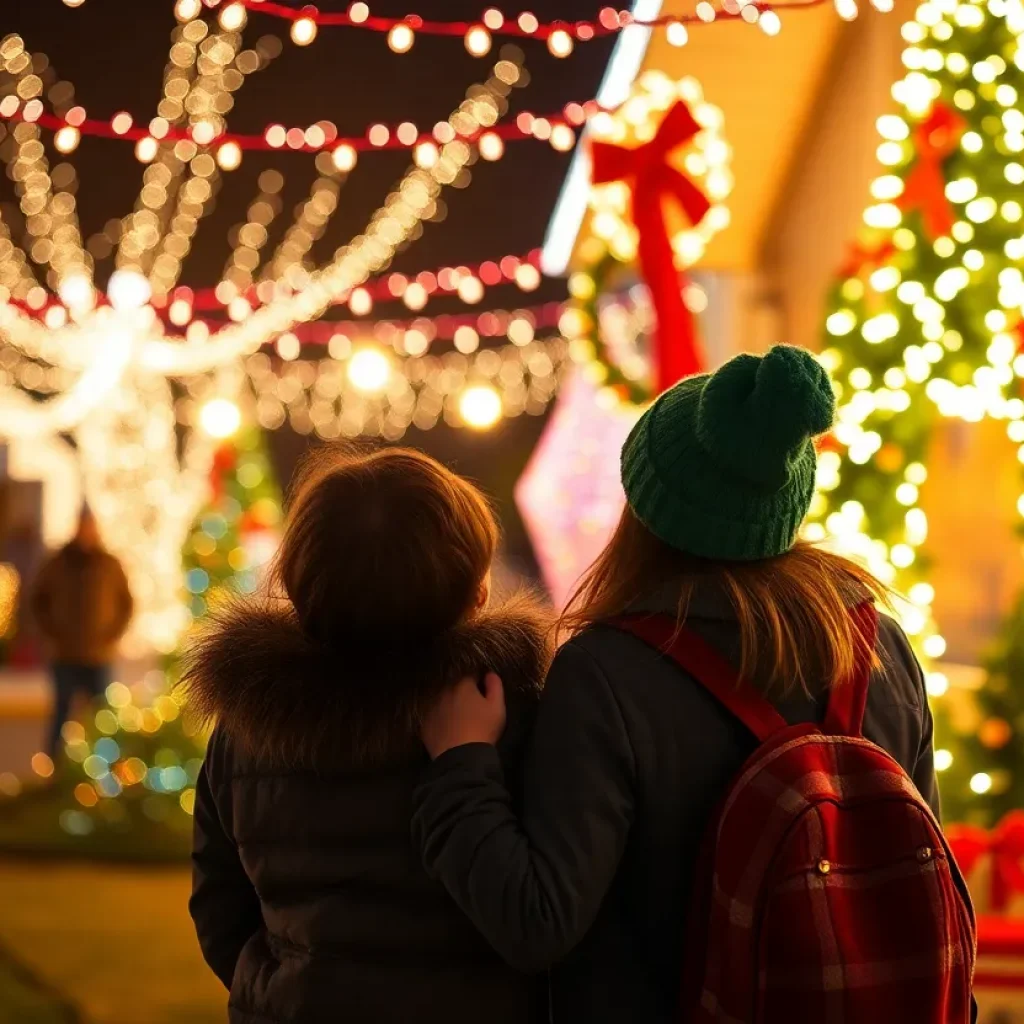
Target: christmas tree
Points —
{"points": [[125, 785], [925, 322]]}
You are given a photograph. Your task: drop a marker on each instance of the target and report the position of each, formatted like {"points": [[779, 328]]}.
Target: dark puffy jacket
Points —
{"points": [[627, 761], [309, 900], [82, 604]]}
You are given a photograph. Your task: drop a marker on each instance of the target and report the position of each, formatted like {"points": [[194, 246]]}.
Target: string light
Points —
{"points": [[526, 24], [478, 41], [304, 31], [275, 137], [480, 406], [220, 418], [401, 37], [359, 390]]}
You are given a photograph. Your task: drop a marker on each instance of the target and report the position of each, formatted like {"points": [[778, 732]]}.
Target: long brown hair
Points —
{"points": [[382, 546], [796, 632]]}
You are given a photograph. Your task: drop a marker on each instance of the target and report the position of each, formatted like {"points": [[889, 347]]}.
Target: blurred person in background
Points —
{"points": [[83, 605]]}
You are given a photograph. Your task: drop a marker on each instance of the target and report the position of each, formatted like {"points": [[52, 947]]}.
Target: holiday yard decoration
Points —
{"points": [[660, 175], [660, 178], [926, 322], [115, 376]]}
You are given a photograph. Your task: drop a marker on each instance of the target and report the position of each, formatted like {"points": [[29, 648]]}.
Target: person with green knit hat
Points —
{"points": [[722, 465], [589, 871]]}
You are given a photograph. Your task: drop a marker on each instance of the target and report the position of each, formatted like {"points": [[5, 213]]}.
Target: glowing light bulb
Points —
{"points": [[480, 407], [67, 138], [478, 41], [943, 760], [229, 156], [369, 369], [560, 43], [303, 31], [677, 34], [980, 783], [76, 292], [344, 157], [146, 149], [491, 146], [186, 10], [770, 22], [401, 37], [220, 417], [232, 17], [128, 289]]}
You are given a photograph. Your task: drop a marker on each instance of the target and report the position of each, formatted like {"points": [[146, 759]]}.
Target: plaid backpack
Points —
{"points": [[825, 892]]}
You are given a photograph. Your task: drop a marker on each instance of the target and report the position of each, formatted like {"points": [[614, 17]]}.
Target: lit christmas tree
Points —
{"points": [[925, 322], [126, 783]]}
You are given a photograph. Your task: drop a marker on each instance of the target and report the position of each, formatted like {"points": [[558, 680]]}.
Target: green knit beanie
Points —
{"points": [[722, 465]]}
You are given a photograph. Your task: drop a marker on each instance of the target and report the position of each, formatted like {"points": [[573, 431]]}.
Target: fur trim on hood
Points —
{"points": [[285, 700]]}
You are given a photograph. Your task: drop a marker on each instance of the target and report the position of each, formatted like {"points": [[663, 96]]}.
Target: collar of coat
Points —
{"points": [[284, 700]]}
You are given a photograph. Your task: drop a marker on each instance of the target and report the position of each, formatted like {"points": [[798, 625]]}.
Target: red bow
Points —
{"points": [[223, 463], [652, 180], [935, 138], [859, 256], [1005, 846]]}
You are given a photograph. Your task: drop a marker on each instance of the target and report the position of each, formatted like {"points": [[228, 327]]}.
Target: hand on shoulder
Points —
{"points": [[465, 713]]}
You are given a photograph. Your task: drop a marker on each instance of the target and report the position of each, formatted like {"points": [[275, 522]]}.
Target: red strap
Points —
{"points": [[847, 701], [701, 661], [845, 713]]}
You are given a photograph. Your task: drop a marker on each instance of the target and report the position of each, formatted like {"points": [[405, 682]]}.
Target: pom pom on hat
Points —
{"points": [[723, 466], [758, 412]]}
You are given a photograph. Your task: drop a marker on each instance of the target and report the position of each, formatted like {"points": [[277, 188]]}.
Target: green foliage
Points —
{"points": [[126, 784], [925, 323]]}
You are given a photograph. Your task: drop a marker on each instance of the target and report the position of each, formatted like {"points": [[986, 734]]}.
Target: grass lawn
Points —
{"points": [[116, 942], [24, 999]]}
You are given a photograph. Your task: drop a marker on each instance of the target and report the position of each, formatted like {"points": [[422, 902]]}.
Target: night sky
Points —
{"points": [[114, 52]]}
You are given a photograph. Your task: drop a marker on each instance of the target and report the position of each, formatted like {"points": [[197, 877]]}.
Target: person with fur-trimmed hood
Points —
{"points": [[309, 900]]}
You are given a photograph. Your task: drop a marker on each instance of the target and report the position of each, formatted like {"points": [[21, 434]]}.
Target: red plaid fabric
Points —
{"points": [[826, 895]]}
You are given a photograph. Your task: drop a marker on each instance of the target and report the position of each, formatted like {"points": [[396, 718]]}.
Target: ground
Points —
{"points": [[114, 942]]}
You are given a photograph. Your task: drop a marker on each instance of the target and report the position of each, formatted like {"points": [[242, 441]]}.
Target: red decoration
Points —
{"points": [[859, 256], [608, 22], [935, 138], [278, 138], [653, 181], [223, 463], [1005, 846]]}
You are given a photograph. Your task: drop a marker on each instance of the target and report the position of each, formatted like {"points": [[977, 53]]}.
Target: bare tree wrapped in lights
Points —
{"points": [[127, 373], [926, 322]]}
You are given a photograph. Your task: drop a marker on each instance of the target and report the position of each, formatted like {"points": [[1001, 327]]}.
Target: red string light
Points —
{"points": [[492, 323], [315, 138], [394, 286], [526, 25]]}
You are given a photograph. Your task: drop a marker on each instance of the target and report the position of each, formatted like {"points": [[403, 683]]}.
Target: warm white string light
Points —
{"points": [[107, 369]]}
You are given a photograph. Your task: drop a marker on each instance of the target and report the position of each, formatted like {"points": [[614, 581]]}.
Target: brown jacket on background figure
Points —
{"points": [[82, 604]]}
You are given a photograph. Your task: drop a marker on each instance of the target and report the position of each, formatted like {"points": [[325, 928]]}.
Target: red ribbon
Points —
{"points": [[653, 181], [859, 256], [935, 138], [1005, 846]]}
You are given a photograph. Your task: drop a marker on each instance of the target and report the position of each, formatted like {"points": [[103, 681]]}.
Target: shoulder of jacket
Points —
{"points": [[900, 668]]}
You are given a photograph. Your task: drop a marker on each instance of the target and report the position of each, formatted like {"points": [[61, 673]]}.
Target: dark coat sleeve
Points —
{"points": [[534, 886], [224, 905], [923, 771]]}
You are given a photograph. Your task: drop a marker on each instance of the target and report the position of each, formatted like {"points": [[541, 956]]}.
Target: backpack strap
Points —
{"points": [[847, 701], [709, 668]]}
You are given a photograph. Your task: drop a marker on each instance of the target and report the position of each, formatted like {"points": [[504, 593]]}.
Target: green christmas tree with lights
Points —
{"points": [[125, 783], [925, 322]]}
